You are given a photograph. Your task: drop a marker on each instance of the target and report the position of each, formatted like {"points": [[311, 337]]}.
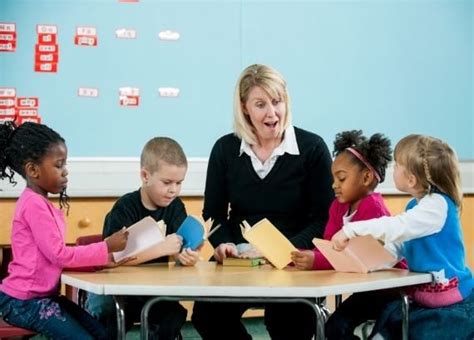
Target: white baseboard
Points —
{"points": [[113, 177]]}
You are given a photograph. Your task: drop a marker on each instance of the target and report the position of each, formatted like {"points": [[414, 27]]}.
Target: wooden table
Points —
{"points": [[208, 281]]}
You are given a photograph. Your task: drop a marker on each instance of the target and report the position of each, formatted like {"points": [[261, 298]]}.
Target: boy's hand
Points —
{"points": [[117, 241], [172, 244], [188, 257], [225, 250], [303, 259], [339, 240]]}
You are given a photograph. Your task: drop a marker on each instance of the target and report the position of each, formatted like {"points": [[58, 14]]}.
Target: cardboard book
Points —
{"points": [[193, 231], [269, 241], [143, 242], [363, 254]]}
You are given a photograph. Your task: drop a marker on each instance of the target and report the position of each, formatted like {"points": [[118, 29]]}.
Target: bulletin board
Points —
{"points": [[130, 70]]}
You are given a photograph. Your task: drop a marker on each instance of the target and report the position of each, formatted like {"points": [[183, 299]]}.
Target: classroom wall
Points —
{"points": [[388, 66]]}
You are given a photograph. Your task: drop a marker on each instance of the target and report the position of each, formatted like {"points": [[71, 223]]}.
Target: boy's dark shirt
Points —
{"points": [[129, 209]]}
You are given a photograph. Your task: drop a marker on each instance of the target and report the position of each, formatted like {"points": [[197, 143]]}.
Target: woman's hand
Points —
{"points": [[188, 257], [225, 250], [339, 240], [303, 259], [117, 241], [250, 254]]}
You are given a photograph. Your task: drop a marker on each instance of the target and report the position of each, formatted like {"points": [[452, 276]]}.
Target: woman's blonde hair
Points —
{"points": [[434, 164], [271, 82]]}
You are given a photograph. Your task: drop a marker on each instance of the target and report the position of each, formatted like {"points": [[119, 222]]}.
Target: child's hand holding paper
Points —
{"points": [[303, 259], [339, 240], [188, 257], [172, 244]]}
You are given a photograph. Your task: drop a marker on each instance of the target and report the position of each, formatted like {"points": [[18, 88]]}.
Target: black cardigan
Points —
{"points": [[295, 196]]}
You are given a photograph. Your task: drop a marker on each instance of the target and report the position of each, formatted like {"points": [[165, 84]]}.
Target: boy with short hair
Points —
{"points": [[163, 168]]}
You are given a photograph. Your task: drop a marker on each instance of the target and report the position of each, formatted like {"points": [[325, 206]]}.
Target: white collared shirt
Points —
{"points": [[348, 217], [288, 145]]}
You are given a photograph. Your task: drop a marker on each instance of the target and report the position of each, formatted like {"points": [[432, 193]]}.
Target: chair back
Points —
{"points": [[9, 331], [78, 295]]}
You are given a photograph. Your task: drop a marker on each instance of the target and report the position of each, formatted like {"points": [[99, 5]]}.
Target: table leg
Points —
{"points": [[318, 310], [337, 300], [144, 317], [405, 311], [121, 331], [320, 321]]}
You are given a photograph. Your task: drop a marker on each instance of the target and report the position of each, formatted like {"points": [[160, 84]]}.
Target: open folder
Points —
{"points": [[143, 239], [362, 254], [269, 241], [193, 231]]}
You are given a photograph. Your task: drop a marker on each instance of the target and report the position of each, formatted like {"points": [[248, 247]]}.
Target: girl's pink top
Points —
{"points": [[371, 206], [39, 250]]}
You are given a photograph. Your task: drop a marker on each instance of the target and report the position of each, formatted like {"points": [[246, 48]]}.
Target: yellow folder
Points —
{"points": [[269, 241]]}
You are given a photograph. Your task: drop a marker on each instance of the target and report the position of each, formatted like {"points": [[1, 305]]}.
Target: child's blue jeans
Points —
{"points": [[55, 317], [454, 322]]}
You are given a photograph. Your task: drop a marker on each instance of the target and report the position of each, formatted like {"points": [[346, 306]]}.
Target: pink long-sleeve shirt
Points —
{"points": [[371, 206], [39, 250]]}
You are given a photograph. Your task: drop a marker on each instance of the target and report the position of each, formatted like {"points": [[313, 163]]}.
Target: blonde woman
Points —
{"points": [[266, 168]]}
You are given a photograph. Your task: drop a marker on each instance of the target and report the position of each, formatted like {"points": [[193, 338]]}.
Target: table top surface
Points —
{"points": [[209, 279]]}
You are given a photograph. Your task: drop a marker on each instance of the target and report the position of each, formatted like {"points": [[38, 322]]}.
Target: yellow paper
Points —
{"points": [[269, 241]]}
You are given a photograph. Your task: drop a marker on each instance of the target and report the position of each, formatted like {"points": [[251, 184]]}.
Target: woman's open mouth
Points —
{"points": [[271, 125]]}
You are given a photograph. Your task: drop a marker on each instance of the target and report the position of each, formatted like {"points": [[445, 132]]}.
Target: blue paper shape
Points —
{"points": [[192, 232]]}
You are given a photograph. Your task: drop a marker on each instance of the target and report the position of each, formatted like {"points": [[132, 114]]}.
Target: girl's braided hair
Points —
{"points": [[434, 164], [29, 142]]}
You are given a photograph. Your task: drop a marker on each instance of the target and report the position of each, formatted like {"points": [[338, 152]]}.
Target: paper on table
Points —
{"points": [[269, 241], [143, 239], [363, 254]]}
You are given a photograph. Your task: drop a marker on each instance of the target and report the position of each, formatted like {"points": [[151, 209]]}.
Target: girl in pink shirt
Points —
{"points": [[29, 295], [358, 168]]}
